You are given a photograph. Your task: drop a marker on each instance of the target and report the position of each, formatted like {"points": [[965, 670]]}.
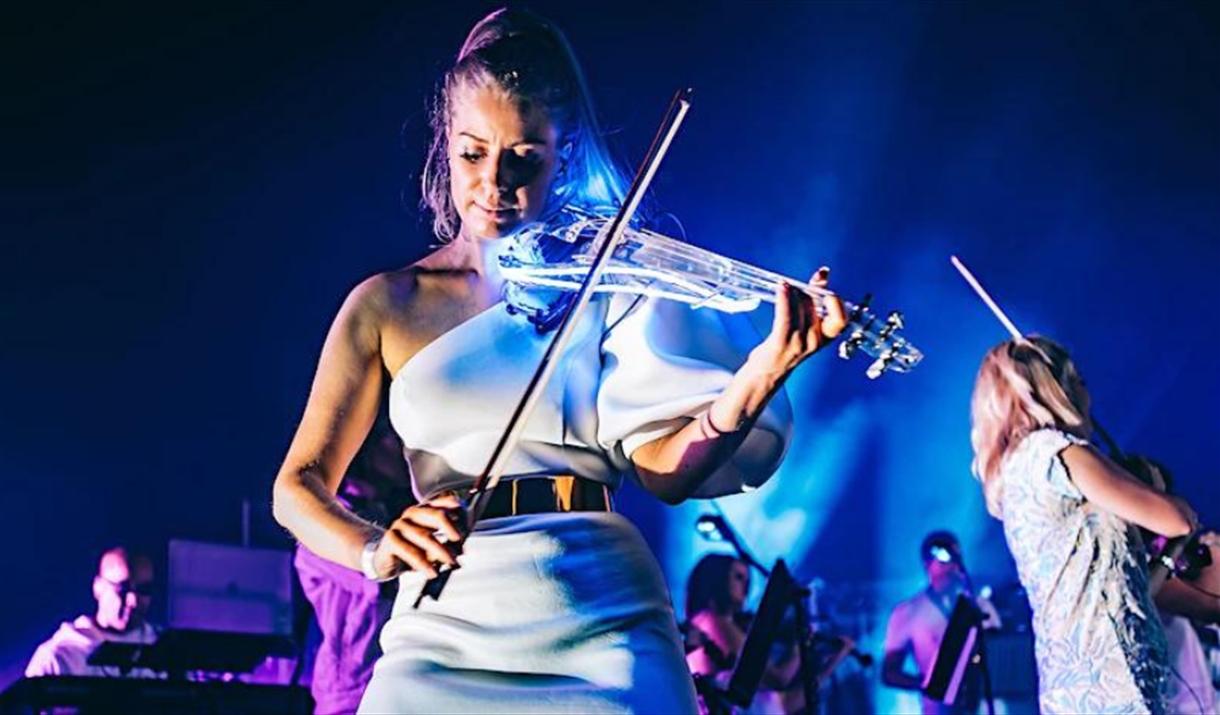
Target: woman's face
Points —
{"points": [[502, 161]]}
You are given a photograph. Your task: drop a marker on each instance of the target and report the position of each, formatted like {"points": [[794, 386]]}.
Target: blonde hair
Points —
{"points": [[1022, 386], [529, 59]]}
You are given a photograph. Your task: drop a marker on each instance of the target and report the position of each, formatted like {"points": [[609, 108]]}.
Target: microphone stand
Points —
{"points": [[726, 532], [809, 678]]}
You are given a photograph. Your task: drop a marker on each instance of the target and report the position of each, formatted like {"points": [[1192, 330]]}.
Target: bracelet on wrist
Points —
{"points": [[712, 430], [366, 561]]}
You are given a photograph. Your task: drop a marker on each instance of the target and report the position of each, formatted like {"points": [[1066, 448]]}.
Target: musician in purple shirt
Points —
{"points": [[349, 608]]}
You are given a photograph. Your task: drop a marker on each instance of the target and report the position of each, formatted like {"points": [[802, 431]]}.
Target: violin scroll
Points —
{"points": [[881, 345]]}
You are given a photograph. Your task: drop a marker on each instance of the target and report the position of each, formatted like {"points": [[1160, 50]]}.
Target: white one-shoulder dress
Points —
{"points": [[557, 613]]}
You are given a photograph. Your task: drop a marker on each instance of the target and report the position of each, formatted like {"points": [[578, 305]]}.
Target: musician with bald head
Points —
{"points": [[122, 588]]}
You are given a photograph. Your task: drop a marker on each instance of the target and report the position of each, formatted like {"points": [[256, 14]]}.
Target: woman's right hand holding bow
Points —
{"points": [[413, 542]]}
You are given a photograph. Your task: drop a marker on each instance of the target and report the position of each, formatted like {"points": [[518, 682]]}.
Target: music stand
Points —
{"points": [[782, 593], [956, 650], [747, 676], [963, 638]]}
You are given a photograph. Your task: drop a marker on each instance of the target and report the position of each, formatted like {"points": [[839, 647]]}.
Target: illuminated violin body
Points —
{"points": [[552, 258]]}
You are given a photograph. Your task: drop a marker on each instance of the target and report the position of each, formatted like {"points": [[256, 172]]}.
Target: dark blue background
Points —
{"points": [[190, 189]]}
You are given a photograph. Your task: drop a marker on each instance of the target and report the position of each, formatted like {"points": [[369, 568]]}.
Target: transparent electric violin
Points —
{"points": [[553, 257], [555, 268]]}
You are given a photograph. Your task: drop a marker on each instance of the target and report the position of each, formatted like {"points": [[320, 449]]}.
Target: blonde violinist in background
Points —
{"points": [[558, 606], [1069, 515]]}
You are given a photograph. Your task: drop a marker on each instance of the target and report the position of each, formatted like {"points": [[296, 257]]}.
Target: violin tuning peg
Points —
{"points": [[848, 347], [879, 366]]}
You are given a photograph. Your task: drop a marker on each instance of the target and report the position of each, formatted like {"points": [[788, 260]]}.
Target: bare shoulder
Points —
{"points": [[901, 612], [400, 312], [367, 313], [382, 295], [381, 303], [403, 306]]}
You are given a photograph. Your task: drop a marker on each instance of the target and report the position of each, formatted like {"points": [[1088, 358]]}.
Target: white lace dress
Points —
{"points": [[1098, 639]]}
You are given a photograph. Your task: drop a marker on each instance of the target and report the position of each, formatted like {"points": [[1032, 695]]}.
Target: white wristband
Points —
{"points": [[366, 560]]}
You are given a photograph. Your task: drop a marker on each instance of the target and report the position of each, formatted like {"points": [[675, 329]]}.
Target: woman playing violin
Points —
{"points": [[715, 634], [558, 604], [715, 631], [1068, 512]]}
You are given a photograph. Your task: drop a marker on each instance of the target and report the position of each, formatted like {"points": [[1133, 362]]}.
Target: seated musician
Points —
{"points": [[123, 591], [716, 630]]}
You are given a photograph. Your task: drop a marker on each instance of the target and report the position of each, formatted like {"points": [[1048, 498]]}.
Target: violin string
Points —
{"points": [[759, 281], [692, 252], [664, 267]]}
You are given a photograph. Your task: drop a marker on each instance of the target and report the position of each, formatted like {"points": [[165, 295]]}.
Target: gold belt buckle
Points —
{"points": [[564, 488]]}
